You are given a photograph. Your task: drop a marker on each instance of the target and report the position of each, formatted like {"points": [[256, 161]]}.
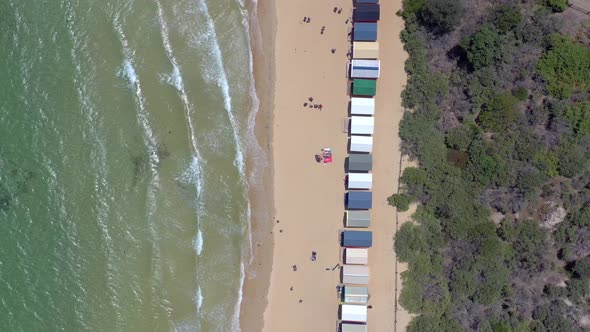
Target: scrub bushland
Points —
{"points": [[498, 121]]}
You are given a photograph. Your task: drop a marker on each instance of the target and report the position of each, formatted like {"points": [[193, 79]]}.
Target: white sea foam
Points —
{"points": [[257, 154], [215, 72], [199, 299], [235, 323], [198, 242], [128, 72], [175, 79]]}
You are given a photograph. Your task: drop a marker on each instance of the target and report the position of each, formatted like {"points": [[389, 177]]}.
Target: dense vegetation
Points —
{"points": [[500, 130]]}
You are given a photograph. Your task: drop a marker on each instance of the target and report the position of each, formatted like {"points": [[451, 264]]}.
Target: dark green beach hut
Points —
{"points": [[361, 87]]}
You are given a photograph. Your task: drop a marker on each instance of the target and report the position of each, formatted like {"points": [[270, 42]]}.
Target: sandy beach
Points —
{"points": [[308, 197]]}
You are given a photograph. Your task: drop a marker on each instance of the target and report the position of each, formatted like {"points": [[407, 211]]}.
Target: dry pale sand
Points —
{"points": [[386, 171], [309, 197]]}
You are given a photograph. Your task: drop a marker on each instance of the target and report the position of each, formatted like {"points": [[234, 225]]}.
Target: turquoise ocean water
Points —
{"points": [[124, 130]]}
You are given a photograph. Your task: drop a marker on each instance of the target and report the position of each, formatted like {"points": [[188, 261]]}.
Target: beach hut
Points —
{"points": [[361, 143], [359, 200], [360, 162], [356, 256], [348, 327], [365, 68], [365, 50], [364, 31], [357, 239], [363, 87], [360, 219], [366, 1], [353, 313], [362, 106], [362, 125], [356, 294], [366, 12], [355, 274], [360, 180]]}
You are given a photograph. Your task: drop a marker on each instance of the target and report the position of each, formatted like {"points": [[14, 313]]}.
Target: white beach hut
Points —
{"points": [[362, 106], [355, 274], [362, 125], [361, 219], [353, 313], [360, 180], [356, 294], [361, 143], [364, 68], [356, 256], [347, 327]]}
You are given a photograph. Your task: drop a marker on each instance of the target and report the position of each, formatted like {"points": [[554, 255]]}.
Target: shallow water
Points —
{"points": [[124, 130]]}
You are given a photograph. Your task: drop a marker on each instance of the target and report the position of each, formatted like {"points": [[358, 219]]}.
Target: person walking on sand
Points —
{"points": [[321, 107]]}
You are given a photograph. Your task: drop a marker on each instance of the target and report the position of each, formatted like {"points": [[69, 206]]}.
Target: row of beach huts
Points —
{"points": [[364, 70]]}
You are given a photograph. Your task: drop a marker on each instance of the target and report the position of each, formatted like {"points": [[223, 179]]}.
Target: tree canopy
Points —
{"points": [[565, 66], [498, 124]]}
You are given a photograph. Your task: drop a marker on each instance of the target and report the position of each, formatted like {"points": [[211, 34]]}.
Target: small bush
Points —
{"points": [[556, 5], [441, 16], [521, 94], [499, 113], [565, 66], [482, 48], [400, 201], [506, 18]]}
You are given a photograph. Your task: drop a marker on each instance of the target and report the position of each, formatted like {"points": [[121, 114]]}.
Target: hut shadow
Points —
{"points": [[349, 108], [345, 201]]}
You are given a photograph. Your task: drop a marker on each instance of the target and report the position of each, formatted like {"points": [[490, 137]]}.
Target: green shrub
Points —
{"points": [[572, 159], [521, 94], [460, 137], [582, 268], [506, 18], [556, 5], [578, 116], [499, 113], [424, 323], [423, 87], [546, 162], [482, 48], [411, 7], [410, 241], [400, 201], [565, 66], [424, 288], [442, 15]]}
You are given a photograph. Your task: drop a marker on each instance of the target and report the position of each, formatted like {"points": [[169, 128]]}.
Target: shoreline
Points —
{"points": [[256, 281]]}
